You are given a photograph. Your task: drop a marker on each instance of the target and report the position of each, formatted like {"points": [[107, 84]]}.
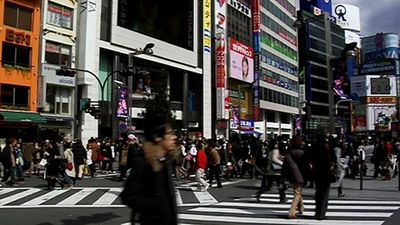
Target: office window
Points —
{"points": [[14, 97], [58, 100], [16, 55], [58, 54], [60, 16], [18, 16]]}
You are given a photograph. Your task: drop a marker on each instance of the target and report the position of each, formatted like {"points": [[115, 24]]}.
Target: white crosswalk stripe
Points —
{"points": [[269, 210], [89, 196]]}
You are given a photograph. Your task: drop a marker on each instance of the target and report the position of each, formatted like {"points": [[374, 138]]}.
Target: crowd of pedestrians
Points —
{"points": [[317, 161]]}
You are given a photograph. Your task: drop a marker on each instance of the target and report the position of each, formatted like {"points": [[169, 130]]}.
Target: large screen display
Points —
{"points": [[380, 86], [170, 21]]}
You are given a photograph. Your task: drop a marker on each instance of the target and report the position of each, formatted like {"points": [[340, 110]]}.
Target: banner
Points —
{"points": [[241, 61]]}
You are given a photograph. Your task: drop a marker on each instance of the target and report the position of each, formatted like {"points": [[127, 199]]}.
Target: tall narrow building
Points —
{"points": [[276, 67]]}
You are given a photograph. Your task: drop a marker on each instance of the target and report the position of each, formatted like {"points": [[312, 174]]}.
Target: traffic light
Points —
{"points": [[65, 72]]}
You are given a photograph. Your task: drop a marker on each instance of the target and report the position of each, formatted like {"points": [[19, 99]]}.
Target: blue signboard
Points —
{"points": [[323, 5]]}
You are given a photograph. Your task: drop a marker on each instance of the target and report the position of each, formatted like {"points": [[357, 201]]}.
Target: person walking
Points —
{"points": [[201, 166], [295, 165], [215, 166], [148, 190], [341, 163], [8, 161], [273, 171], [323, 163]]}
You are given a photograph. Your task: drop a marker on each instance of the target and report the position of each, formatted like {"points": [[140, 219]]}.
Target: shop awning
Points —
{"points": [[21, 117]]}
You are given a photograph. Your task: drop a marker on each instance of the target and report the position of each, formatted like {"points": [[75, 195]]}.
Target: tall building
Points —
{"points": [[239, 70], [276, 66], [19, 47], [57, 102], [321, 42], [111, 37]]}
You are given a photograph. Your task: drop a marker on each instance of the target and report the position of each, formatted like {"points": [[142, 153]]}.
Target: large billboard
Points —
{"points": [[241, 61], [323, 5], [347, 16], [379, 42], [170, 21]]}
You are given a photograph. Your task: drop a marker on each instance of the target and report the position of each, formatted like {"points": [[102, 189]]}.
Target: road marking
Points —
{"points": [[255, 220], [43, 198], [17, 196], [276, 212], [77, 197], [6, 190], [287, 206], [204, 197], [108, 197], [331, 201], [178, 197]]}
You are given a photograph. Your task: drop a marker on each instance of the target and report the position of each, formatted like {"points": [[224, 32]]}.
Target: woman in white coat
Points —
{"points": [[69, 175]]}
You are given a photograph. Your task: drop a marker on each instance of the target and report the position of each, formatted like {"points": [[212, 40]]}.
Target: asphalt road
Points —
{"points": [[95, 201]]}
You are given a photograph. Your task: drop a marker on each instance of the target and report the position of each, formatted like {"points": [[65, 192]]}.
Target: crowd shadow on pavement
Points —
{"points": [[100, 218]]}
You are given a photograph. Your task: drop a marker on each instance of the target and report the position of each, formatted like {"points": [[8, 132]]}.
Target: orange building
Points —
{"points": [[19, 63]]}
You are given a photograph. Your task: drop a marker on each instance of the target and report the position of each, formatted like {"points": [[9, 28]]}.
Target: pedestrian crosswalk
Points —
{"points": [[101, 197], [270, 211]]}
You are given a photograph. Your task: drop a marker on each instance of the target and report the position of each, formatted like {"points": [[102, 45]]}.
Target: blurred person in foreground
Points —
{"points": [[149, 190]]}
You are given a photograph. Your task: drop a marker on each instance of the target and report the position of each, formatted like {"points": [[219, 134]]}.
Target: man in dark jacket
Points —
{"points": [[148, 190], [80, 156], [8, 161]]}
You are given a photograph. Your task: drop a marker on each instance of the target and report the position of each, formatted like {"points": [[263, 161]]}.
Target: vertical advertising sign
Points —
{"points": [[122, 108], [207, 26], [220, 51], [256, 21]]}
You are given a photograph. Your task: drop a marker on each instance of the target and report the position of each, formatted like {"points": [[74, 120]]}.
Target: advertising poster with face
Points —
{"points": [[241, 61]]}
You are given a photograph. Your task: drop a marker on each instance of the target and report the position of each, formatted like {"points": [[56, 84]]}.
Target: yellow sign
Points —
{"points": [[207, 25]]}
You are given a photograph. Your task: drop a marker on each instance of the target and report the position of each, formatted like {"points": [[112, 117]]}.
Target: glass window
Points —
{"points": [[60, 16], [15, 55], [14, 97], [58, 100], [18, 16], [271, 116], [58, 54]]}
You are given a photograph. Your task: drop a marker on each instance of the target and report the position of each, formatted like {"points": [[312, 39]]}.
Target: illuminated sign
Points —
{"points": [[382, 100]]}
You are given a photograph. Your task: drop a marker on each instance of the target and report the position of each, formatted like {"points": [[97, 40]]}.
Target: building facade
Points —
{"points": [[19, 68], [276, 67], [321, 44], [109, 31], [57, 95]]}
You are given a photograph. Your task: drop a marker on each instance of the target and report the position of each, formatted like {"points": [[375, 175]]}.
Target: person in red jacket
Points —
{"points": [[201, 165]]}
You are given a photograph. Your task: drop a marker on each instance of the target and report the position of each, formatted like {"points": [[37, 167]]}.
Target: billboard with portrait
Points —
{"points": [[241, 61]]}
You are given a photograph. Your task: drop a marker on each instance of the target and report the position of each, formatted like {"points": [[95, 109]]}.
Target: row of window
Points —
{"points": [[289, 7], [277, 79], [58, 99], [278, 62], [274, 43], [21, 17], [271, 7], [280, 98], [271, 117], [276, 27], [20, 56]]}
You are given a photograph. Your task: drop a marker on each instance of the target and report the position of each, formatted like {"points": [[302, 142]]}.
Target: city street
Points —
{"points": [[95, 201]]}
